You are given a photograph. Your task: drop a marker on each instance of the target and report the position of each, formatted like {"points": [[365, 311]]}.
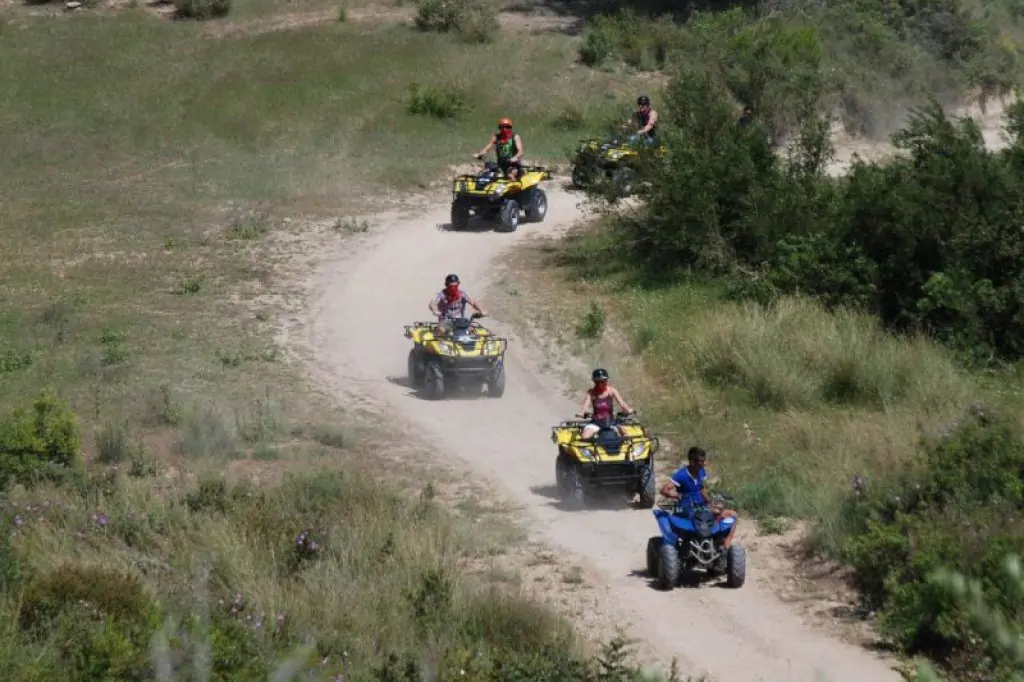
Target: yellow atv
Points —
{"points": [[616, 161], [468, 355], [608, 460], [492, 195]]}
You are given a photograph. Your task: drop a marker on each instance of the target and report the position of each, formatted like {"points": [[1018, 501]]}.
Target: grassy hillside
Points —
{"points": [[158, 179], [866, 60]]}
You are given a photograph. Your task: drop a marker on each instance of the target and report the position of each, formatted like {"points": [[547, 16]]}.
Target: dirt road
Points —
{"points": [[355, 334]]}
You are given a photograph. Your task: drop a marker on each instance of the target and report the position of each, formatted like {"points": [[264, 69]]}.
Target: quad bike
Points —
{"points": [[469, 355], [616, 161], [608, 460], [691, 543], [493, 195]]}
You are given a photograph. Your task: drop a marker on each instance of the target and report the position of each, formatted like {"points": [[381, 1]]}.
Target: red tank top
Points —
{"points": [[603, 407]]}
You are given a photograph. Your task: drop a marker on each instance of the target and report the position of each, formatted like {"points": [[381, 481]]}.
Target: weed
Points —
{"points": [[436, 101], [352, 225], [332, 436], [114, 444], [592, 324], [202, 9], [190, 285]]}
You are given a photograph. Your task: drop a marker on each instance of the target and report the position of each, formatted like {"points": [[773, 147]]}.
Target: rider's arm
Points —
{"points": [[474, 304], [669, 489], [486, 149], [519, 146], [433, 305], [586, 403], [652, 121], [622, 403]]}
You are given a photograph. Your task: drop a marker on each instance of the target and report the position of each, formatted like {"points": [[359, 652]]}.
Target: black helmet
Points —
{"points": [[599, 375], [451, 279], [643, 100]]}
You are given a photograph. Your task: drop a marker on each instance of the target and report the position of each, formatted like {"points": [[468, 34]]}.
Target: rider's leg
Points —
{"points": [[729, 514], [589, 431]]}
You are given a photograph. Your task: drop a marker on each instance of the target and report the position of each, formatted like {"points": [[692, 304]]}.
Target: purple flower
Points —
{"points": [[101, 519]]}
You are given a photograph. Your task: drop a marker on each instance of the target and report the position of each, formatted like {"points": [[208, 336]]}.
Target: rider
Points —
{"points": [[646, 120], [509, 148], [602, 398], [450, 303], [688, 484]]}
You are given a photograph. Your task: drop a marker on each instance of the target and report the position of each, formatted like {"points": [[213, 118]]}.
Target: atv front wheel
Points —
{"points": [[460, 216], [570, 483], [509, 215], [736, 566], [648, 493], [415, 370], [653, 549], [538, 206], [496, 382], [622, 182], [668, 567], [434, 381]]}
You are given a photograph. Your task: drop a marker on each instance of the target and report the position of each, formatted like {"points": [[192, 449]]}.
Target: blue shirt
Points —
{"points": [[690, 486]]}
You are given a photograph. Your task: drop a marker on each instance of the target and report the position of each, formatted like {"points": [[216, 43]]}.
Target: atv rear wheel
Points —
{"points": [[460, 216], [648, 493], [415, 370], [736, 566], [538, 206], [509, 216], [496, 382], [434, 381], [668, 566], [653, 549]]}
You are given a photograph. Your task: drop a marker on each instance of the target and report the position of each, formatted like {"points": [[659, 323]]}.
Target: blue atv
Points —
{"points": [[691, 543]]}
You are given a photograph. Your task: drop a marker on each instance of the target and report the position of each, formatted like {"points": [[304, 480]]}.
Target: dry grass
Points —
{"points": [[791, 402]]}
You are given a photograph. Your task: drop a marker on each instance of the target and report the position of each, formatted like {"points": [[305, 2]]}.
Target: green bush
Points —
{"points": [[202, 9], [474, 20], [101, 621], [950, 513], [435, 101], [42, 444]]}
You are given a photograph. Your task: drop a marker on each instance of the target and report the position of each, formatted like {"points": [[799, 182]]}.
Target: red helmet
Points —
{"points": [[504, 123]]}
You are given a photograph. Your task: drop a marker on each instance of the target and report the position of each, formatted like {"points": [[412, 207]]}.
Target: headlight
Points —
{"points": [[491, 348], [637, 449], [498, 190], [586, 453], [445, 347]]}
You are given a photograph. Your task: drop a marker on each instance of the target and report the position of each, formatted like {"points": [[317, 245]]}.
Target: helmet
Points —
{"points": [[643, 101], [504, 123], [451, 279], [599, 375]]}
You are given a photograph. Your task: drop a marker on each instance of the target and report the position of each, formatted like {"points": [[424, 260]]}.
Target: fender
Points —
{"points": [[665, 524]]}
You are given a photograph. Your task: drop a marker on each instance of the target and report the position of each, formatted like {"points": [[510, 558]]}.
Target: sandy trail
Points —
{"points": [[355, 335]]}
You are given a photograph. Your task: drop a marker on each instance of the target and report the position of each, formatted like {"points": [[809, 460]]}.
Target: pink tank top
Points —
{"points": [[603, 407]]}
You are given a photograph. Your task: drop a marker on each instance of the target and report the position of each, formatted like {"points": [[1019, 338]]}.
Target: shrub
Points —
{"points": [[202, 9], [40, 444], [438, 102], [474, 20], [102, 620], [948, 513]]}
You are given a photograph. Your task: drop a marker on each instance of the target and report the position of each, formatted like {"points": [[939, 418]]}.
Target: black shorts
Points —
{"points": [[505, 164]]}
